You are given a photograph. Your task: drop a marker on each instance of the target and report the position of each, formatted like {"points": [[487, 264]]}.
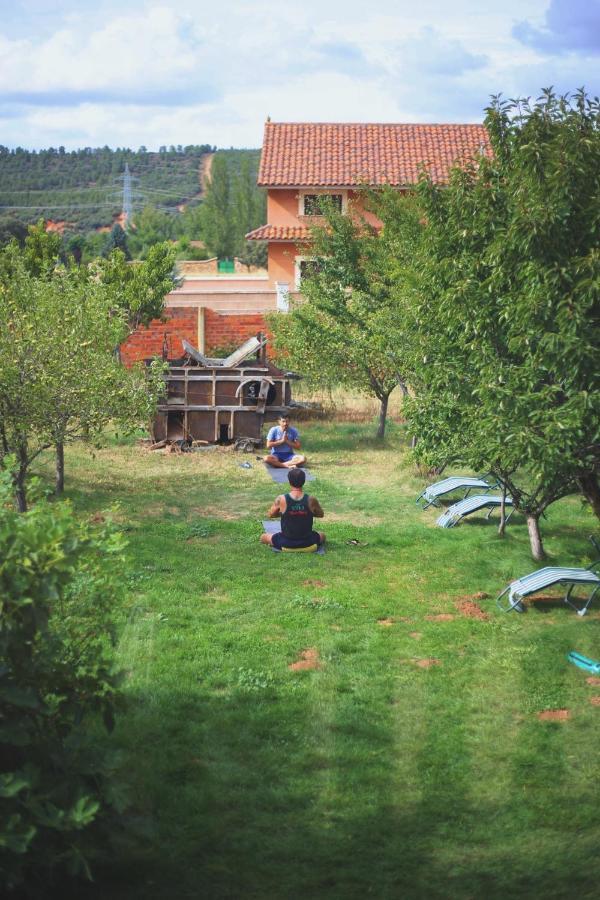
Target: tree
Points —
{"points": [[218, 227], [59, 581], [346, 329], [117, 240], [506, 315], [138, 289], [59, 377], [151, 226]]}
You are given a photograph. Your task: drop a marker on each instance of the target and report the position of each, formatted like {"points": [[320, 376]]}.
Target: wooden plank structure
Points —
{"points": [[222, 400]]}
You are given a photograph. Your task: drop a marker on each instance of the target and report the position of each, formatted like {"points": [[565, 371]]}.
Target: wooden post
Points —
{"points": [[201, 330]]}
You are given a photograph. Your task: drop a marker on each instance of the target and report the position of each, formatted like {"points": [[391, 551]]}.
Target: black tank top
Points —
{"points": [[297, 520]]}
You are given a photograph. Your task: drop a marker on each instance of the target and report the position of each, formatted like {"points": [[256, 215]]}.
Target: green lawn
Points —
{"points": [[411, 762]]}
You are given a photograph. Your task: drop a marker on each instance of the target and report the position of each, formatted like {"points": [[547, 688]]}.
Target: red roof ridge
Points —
{"points": [[379, 124]]}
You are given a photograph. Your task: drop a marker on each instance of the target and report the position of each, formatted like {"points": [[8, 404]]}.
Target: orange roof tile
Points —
{"points": [[296, 154], [279, 233]]}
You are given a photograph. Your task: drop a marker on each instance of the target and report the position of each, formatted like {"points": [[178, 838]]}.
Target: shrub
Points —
{"points": [[58, 583]]}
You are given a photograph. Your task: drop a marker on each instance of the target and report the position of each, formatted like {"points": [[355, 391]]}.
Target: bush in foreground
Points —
{"points": [[57, 593]]}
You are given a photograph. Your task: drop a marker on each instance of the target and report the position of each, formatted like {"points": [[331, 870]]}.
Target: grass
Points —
{"points": [[411, 761]]}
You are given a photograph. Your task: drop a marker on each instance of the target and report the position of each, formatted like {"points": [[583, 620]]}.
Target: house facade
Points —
{"points": [[301, 163]]}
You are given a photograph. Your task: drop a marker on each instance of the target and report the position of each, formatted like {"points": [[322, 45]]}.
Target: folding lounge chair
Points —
{"points": [[545, 578], [453, 515], [429, 496]]}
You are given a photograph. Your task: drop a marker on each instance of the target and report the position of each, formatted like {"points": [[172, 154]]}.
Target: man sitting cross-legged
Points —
{"points": [[297, 510], [283, 441]]}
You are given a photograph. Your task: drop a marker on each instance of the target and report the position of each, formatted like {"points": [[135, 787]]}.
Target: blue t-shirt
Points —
{"points": [[285, 451]]}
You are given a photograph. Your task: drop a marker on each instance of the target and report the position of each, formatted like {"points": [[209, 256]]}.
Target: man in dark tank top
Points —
{"points": [[297, 511]]}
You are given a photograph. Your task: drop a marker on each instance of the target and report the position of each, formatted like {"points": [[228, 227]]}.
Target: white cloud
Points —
{"points": [[179, 73]]}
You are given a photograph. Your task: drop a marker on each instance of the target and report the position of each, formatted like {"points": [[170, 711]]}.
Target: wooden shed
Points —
{"points": [[222, 400]]}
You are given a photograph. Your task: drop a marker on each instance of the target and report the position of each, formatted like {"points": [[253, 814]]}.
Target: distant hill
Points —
{"points": [[82, 190]]}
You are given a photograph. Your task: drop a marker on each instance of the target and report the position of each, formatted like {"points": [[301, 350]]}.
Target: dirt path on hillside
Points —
{"points": [[205, 168]]}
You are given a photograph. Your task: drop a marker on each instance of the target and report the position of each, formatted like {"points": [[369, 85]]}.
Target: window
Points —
{"points": [[305, 267], [312, 204]]}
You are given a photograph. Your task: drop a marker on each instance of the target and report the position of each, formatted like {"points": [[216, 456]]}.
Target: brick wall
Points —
{"points": [[147, 342], [230, 330], [182, 322]]}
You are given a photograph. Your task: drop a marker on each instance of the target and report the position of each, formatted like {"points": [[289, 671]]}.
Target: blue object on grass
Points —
{"points": [[584, 662]]}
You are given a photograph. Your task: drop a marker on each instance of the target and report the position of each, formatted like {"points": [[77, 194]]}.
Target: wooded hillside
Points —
{"points": [[80, 194]]}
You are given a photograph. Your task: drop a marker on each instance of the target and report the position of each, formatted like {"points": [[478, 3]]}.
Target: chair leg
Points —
{"points": [[580, 610]]}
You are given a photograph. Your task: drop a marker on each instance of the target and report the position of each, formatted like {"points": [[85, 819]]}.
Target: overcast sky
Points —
{"points": [[95, 72]]}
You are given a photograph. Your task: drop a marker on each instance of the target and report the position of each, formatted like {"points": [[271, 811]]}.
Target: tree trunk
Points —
{"points": [[535, 538], [502, 525], [591, 491], [382, 416], [19, 476], [20, 496], [59, 483]]}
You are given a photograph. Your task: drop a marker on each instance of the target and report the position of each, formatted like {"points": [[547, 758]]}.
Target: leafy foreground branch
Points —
{"points": [[58, 586]]}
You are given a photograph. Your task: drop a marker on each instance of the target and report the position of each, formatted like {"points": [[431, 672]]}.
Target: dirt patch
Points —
{"points": [[471, 610], [314, 582], [215, 512], [309, 659], [595, 700], [386, 623], [415, 634], [554, 715], [594, 680], [97, 519], [441, 617], [427, 663]]}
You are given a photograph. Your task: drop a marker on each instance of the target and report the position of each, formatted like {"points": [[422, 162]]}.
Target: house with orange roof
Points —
{"points": [[301, 164]]}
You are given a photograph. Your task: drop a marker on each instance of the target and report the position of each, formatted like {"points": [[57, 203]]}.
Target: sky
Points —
{"points": [[100, 72]]}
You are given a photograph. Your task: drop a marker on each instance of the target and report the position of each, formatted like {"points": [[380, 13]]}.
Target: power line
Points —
{"points": [[68, 206]]}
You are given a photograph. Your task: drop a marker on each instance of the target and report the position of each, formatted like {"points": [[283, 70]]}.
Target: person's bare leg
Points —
{"points": [[266, 538], [273, 461], [295, 461], [322, 536]]}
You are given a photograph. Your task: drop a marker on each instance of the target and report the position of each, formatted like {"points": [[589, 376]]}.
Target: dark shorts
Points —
{"points": [[279, 541], [284, 457]]}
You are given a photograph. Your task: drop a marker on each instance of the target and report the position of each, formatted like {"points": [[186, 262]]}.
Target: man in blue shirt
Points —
{"points": [[283, 442]]}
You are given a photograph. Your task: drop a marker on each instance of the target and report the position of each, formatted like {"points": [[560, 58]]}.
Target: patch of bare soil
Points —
{"points": [[314, 582], [417, 635], [97, 519], [594, 680], [309, 659], [471, 610], [205, 170], [58, 227], [595, 700], [440, 617], [554, 715], [427, 663], [386, 623]]}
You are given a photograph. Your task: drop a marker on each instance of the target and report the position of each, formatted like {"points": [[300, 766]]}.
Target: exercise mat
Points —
{"points": [[280, 476]]}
